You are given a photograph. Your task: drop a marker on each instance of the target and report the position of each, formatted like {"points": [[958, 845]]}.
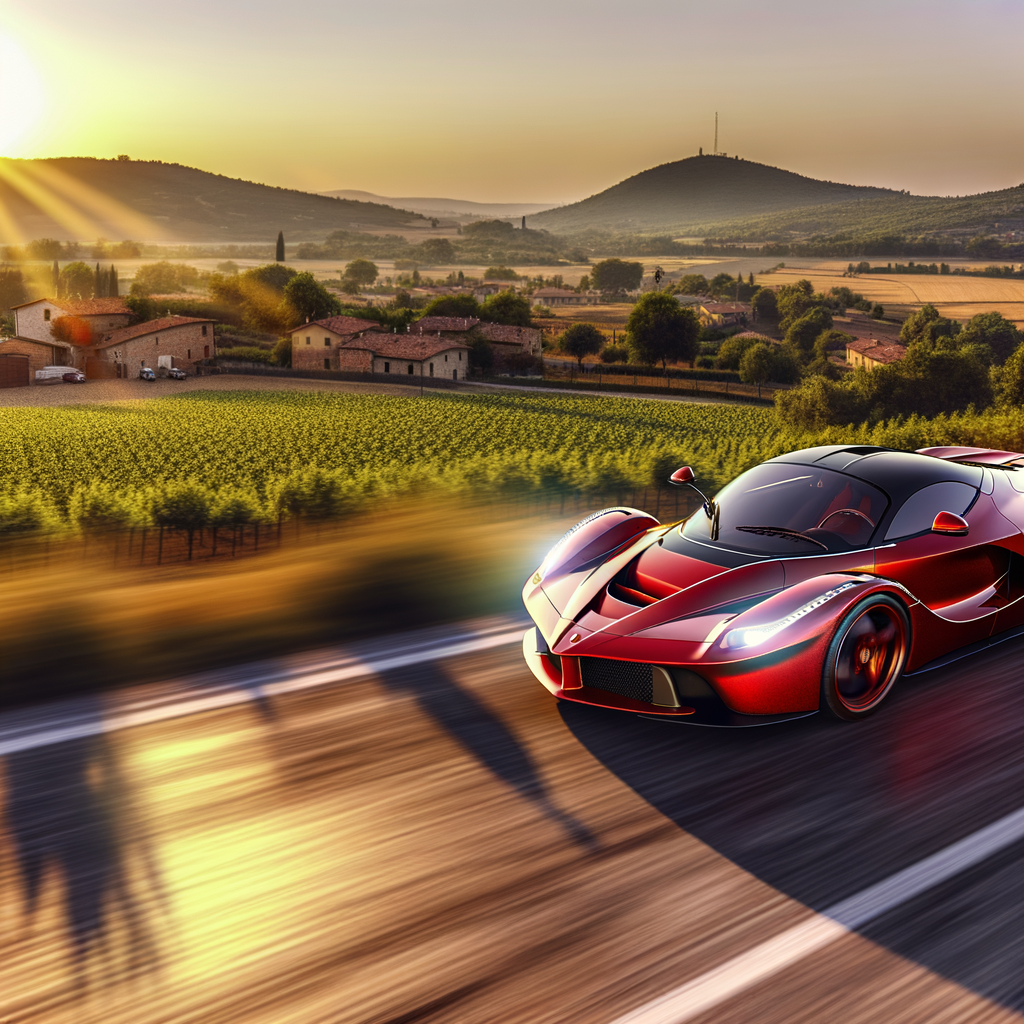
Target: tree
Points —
{"points": [[12, 288], [163, 278], [756, 365], [1010, 384], [764, 304], [617, 275], [830, 341], [113, 285], [72, 330], [283, 351], [733, 349], [362, 273], [506, 308], [581, 340], [44, 249], [279, 252], [693, 284], [992, 329], [926, 324], [793, 300], [500, 274], [309, 298], [804, 332], [270, 275], [438, 250], [660, 329], [76, 281], [453, 305], [722, 285]]}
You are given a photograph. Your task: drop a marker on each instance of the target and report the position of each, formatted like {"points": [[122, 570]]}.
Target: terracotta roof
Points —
{"points": [[433, 324], [149, 327], [726, 307], [503, 333], [877, 351], [83, 307], [339, 325], [404, 346]]}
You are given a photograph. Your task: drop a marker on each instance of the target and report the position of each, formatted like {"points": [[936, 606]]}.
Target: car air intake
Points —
{"points": [[626, 678]]}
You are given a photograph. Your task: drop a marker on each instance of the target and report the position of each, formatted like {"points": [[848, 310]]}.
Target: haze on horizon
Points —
{"points": [[541, 103]]}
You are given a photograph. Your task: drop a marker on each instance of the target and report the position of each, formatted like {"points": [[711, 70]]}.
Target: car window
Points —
{"points": [[792, 509], [920, 509]]}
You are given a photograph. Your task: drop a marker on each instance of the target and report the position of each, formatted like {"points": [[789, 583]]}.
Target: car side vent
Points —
{"points": [[626, 678]]}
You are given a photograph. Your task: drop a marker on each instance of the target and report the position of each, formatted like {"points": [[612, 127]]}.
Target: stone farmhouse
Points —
{"points": [[724, 314], [434, 346], [117, 349], [870, 352]]}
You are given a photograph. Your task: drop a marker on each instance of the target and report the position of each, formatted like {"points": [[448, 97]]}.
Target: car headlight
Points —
{"points": [[753, 636]]}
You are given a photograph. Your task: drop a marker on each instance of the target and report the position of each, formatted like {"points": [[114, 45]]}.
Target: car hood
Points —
{"points": [[648, 586]]}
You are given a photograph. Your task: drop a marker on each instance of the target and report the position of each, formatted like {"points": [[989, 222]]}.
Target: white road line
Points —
{"points": [[743, 971], [246, 689]]}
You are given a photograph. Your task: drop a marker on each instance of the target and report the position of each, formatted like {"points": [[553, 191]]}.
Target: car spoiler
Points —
{"points": [[982, 456]]}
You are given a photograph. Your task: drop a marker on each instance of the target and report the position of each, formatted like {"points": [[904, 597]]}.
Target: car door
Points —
{"points": [[956, 578]]}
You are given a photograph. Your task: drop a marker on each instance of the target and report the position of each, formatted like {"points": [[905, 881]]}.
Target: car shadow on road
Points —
{"points": [[485, 736], [69, 813], [821, 810]]}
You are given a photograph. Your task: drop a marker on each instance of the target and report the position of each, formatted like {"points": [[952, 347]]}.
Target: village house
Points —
{"points": [[870, 352], [407, 355], [505, 341], [180, 341], [318, 345], [34, 320], [724, 314], [34, 344], [564, 297]]}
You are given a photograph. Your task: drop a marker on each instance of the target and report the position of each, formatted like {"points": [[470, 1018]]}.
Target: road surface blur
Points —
{"points": [[440, 841]]}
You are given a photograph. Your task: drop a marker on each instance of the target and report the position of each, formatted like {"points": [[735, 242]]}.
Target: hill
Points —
{"points": [[699, 191], [84, 198], [461, 209]]}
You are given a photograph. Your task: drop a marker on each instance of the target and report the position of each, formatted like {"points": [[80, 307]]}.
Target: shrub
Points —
{"points": [[248, 354], [615, 354]]}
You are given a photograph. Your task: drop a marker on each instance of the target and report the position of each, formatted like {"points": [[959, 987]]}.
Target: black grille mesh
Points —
{"points": [[626, 678]]}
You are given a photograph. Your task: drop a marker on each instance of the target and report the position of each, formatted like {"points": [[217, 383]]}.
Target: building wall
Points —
{"points": [[185, 342], [355, 360], [40, 355], [451, 365], [322, 345], [31, 322]]}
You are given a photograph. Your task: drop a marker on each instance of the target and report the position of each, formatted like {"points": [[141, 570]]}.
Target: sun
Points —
{"points": [[21, 94]]}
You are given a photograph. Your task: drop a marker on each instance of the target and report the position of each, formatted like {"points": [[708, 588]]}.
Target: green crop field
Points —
{"points": [[232, 458]]}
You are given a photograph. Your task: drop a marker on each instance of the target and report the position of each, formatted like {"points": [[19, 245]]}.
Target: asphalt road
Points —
{"points": [[414, 831]]}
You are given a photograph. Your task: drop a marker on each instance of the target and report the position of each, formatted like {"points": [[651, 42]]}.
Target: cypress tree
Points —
{"points": [[279, 257], [114, 285], [56, 279], [99, 285]]}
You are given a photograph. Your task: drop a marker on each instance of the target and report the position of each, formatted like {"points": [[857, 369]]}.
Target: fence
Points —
{"points": [[594, 378]]}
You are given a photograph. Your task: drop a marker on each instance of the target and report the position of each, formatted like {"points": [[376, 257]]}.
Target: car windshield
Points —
{"points": [[779, 509]]}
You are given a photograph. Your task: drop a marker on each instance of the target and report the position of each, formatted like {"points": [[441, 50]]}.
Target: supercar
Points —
{"points": [[813, 581]]}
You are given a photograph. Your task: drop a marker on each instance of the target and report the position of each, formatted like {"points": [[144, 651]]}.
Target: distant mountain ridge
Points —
{"points": [[433, 207], [85, 198], [699, 190]]}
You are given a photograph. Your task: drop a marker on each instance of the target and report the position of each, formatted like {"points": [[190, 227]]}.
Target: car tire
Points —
{"points": [[865, 658]]}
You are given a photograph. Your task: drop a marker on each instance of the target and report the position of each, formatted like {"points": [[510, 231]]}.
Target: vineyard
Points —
{"points": [[236, 460]]}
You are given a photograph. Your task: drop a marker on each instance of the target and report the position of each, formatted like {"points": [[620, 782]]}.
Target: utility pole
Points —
{"points": [[716, 134]]}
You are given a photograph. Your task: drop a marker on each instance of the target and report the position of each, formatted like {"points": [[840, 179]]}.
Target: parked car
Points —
{"points": [[812, 581], [53, 374], [73, 377], [175, 374], [146, 374]]}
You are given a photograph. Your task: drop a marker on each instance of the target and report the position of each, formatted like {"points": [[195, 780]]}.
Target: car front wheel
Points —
{"points": [[865, 658]]}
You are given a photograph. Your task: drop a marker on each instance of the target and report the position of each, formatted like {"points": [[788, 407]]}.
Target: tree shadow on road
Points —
{"points": [[485, 736], [69, 812]]}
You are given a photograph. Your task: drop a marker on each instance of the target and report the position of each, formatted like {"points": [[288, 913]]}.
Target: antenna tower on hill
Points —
{"points": [[715, 150]]}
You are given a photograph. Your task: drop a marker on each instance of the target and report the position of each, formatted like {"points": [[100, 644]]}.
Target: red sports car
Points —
{"points": [[811, 582]]}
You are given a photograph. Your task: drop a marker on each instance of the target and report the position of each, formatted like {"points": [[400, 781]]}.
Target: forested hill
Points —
{"points": [[698, 191], [85, 198]]}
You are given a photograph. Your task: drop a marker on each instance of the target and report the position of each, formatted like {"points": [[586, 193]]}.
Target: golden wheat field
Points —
{"points": [[958, 297]]}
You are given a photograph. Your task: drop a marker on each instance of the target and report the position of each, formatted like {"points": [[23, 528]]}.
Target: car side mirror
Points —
{"points": [[950, 524], [682, 476]]}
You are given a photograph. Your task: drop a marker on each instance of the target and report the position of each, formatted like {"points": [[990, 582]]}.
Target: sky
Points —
{"points": [[528, 102]]}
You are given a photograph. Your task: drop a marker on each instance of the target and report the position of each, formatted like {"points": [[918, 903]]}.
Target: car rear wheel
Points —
{"points": [[865, 658]]}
